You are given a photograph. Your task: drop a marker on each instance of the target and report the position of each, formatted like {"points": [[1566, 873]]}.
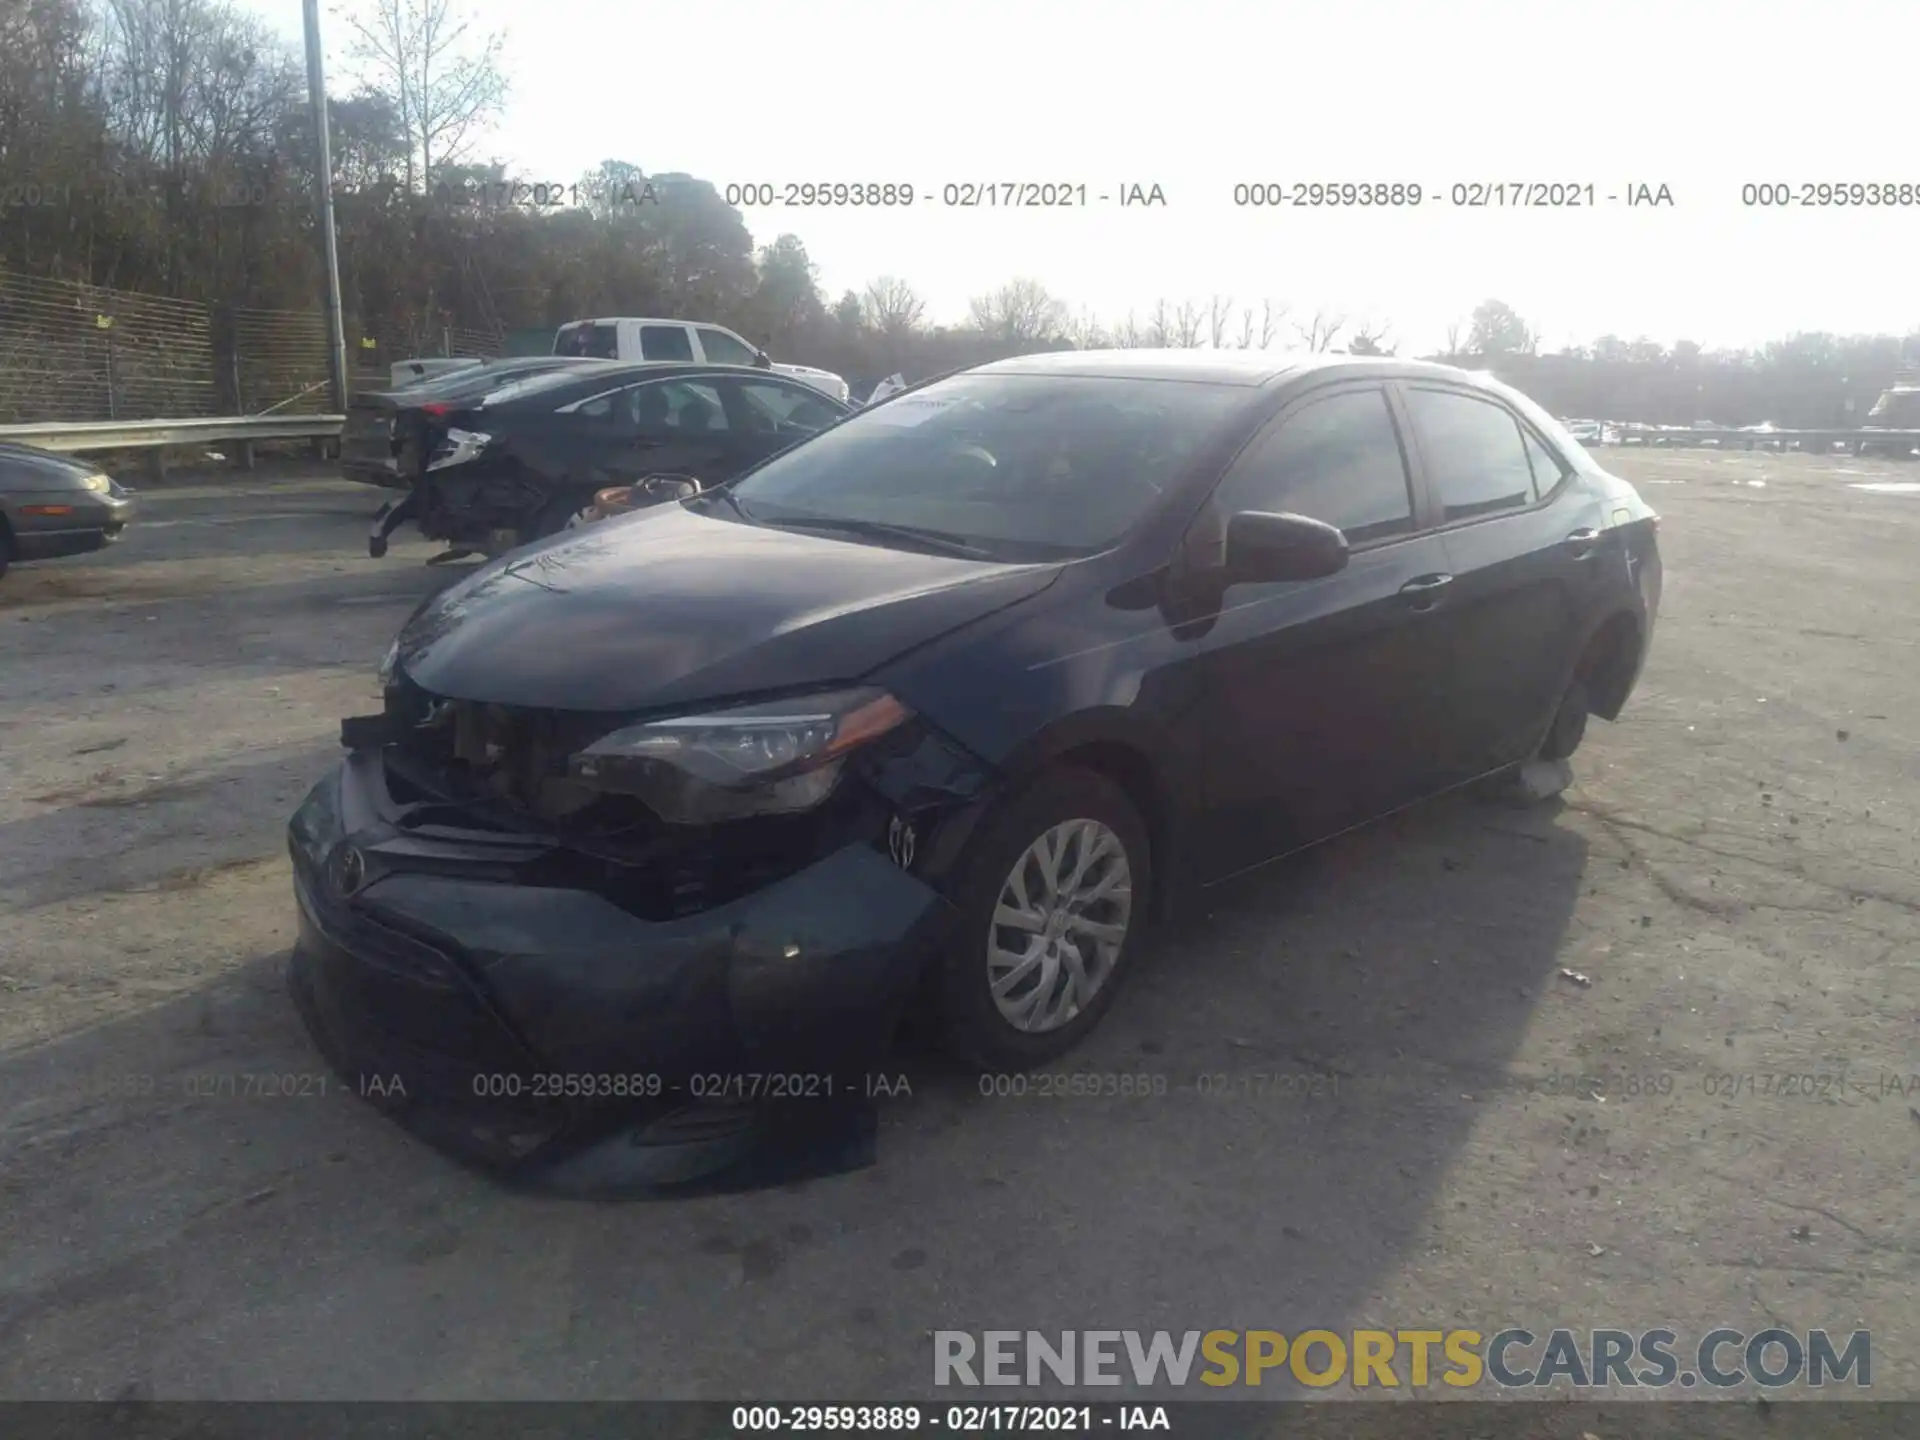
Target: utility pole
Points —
{"points": [[323, 153]]}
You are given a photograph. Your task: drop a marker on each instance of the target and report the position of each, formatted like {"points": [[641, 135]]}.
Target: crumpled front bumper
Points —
{"points": [[517, 1024]]}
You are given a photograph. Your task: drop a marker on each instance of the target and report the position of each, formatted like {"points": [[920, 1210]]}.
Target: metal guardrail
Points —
{"points": [[153, 436], [1822, 440], [145, 434]]}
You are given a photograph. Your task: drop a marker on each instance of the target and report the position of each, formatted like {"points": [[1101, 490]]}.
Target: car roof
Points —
{"points": [[621, 369], [611, 374], [1219, 367], [641, 320]]}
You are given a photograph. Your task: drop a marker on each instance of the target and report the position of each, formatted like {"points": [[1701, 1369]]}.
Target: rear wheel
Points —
{"points": [[1051, 901]]}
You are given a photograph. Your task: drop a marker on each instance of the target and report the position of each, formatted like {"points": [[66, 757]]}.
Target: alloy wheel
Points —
{"points": [[1059, 925]]}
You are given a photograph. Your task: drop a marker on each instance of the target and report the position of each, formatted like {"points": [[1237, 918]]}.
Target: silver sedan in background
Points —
{"points": [[53, 505]]}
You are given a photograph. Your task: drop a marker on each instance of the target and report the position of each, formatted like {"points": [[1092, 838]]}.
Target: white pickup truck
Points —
{"points": [[626, 337], [632, 338]]}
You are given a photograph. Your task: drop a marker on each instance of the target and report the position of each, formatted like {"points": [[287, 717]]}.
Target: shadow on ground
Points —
{"points": [[1308, 1059]]}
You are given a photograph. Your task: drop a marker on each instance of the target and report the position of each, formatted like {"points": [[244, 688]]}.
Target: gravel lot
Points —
{"points": [[1736, 873]]}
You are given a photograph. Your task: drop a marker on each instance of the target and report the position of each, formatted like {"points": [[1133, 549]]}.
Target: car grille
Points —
{"points": [[502, 768]]}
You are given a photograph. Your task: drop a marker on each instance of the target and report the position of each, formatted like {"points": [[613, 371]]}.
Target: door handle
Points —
{"points": [[1425, 592], [1582, 542]]}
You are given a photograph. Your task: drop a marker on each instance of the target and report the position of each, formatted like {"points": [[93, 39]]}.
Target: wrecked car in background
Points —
{"points": [[498, 460]]}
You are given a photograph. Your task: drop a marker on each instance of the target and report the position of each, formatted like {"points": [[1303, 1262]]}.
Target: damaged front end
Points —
{"points": [[587, 938]]}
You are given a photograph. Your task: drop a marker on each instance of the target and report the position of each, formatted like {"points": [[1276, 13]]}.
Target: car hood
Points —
{"points": [[668, 607]]}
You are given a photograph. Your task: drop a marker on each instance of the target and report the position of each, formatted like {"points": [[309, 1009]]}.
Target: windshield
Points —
{"points": [[1021, 467]]}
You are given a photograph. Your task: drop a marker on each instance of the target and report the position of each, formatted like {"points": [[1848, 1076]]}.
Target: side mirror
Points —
{"points": [[762, 360], [1267, 548]]}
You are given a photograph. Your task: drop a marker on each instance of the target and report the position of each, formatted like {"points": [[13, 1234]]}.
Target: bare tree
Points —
{"points": [[1498, 330], [1127, 335], [1021, 312], [1085, 332], [1369, 338], [445, 85], [1262, 337], [1271, 315], [1319, 333], [1160, 326], [1219, 311], [1189, 323], [1457, 337], [891, 307]]}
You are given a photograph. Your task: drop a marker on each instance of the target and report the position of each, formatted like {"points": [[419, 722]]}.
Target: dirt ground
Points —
{"points": [[1387, 1102]]}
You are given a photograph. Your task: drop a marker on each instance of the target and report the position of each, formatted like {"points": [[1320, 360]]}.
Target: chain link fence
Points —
{"points": [[72, 352], [277, 362]]}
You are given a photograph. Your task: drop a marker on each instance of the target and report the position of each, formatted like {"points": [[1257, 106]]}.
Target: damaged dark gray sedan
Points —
{"points": [[680, 814]]}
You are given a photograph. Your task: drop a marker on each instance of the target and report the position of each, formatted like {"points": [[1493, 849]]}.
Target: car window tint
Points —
{"points": [[1475, 459], [1548, 472], [722, 348], [773, 407], [1336, 459], [665, 342], [676, 409]]}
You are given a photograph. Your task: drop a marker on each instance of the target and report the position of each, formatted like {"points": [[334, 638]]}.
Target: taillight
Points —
{"points": [[436, 411]]}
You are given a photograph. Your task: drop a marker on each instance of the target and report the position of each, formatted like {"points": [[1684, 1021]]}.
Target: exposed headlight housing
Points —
{"points": [[774, 758], [389, 662], [457, 447]]}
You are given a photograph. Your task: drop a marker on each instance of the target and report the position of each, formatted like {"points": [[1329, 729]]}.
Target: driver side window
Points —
{"points": [[722, 349], [1336, 459]]}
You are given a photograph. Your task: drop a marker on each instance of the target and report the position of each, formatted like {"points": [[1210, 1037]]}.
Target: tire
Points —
{"points": [[1058, 806], [6, 547], [1569, 726]]}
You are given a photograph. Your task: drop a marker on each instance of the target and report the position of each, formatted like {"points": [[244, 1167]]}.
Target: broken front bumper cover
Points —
{"points": [[544, 1031]]}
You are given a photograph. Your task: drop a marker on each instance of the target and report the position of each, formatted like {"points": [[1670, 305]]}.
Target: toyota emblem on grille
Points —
{"points": [[346, 869], [900, 841]]}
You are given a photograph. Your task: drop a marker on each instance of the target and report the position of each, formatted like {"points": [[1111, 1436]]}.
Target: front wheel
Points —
{"points": [[1052, 899]]}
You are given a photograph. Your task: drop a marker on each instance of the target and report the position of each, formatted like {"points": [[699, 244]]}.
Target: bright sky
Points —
{"points": [[1699, 95]]}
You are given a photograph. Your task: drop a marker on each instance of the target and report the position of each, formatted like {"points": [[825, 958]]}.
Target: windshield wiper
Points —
{"points": [[880, 530]]}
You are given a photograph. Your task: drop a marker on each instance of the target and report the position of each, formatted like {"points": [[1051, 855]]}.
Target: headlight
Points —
{"points": [[457, 448], [388, 663], [767, 759], [98, 484]]}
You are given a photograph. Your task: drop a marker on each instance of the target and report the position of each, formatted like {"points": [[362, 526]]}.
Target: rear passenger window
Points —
{"points": [[596, 342], [1336, 459], [665, 342], [1548, 472], [1475, 458]]}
